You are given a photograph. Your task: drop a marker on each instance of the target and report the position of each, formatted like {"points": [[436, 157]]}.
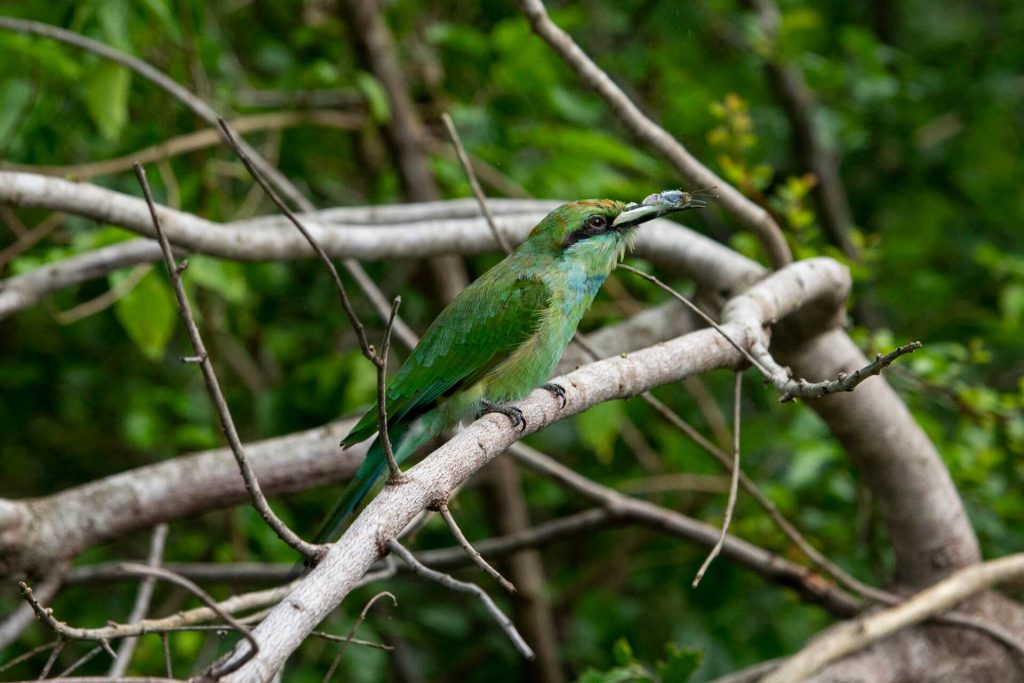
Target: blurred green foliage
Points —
{"points": [[924, 104]]}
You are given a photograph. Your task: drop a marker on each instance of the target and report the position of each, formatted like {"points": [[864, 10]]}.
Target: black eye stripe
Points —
{"points": [[594, 225]]}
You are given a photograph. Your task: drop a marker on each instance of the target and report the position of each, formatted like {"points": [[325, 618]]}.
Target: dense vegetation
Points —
{"points": [[922, 103]]}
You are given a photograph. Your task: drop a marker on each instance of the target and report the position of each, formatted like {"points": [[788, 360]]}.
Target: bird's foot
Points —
{"points": [[558, 390], [511, 412]]}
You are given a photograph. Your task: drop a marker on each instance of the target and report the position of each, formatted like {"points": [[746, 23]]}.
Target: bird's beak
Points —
{"points": [[656, 206]]}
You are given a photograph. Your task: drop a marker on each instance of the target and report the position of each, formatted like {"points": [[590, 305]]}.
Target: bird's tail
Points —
{"points": [[406, 438]]}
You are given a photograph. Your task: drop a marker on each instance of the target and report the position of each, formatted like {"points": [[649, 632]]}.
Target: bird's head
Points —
{"points": [[603, 226]]}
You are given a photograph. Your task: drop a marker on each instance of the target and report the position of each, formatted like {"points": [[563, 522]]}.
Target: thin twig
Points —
{"points": [[352, 631], [381, 361], [213, 387], [773, 567], [751, 487], [339, 286], [195, 141], [734, 480], [461, 586], [754, 217], [477, 558], [103, 636], [21, 618], [378, 360], [52, 659], [25, 241], [693, 307], [29, 655], [142, 600], [761, 358], [168, 664], [80, 661], [217, 670], [843, 381], [104, 300], [474, 184]]}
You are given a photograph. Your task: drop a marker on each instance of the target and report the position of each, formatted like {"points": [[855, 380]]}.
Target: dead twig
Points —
{"points": [[477, 558], [259, 501], [801, 388], [394, 471], [142, 600], [379, 360], [780, 377], [734, 480], [474, 184], [103, 636], [693, 307], [461, 586], [352, 632]]}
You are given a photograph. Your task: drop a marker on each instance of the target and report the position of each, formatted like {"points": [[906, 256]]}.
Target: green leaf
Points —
{"points": [[599, 428], [146, 313], [15, 95], [679, 664], [376, 98], [622, 674], [106, 97], [227, 278], [622, 651]]}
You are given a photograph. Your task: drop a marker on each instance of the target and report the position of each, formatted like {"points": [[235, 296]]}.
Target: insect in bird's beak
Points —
{"points": [[656, 206]]}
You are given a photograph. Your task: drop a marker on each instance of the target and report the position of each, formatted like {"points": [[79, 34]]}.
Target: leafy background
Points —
{"points": [[924, 102]]}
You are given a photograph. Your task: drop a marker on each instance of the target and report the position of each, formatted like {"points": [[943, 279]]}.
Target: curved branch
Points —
{"points": [[442, 472], [851, 636]]}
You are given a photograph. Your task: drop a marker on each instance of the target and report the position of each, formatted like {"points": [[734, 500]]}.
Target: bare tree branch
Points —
{"points": [[461, 586], [371, 233], [851, 636]]}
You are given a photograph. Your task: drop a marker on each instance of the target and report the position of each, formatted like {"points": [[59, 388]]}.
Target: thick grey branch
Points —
{"points": [[365, 233], [448, 467], [38, 531]]}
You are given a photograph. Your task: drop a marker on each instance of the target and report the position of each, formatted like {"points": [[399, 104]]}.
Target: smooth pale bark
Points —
{"points": [[366, 233], [441, 473], [36, 532]]}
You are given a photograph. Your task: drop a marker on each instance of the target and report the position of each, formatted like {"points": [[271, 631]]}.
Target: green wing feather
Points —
{"points": [[480, 328]]}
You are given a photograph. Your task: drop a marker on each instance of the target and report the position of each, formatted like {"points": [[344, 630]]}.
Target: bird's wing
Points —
{"points": [[474, 333]]}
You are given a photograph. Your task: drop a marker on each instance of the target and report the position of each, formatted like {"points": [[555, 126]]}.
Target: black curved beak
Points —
{"points": [[656, 206]]}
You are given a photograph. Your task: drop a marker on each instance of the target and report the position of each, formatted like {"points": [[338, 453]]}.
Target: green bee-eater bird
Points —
{"points": [[503, 335]]}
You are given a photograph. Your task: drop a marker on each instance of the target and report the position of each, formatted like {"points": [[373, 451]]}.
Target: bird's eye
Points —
{"points": [[597, 222]]}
